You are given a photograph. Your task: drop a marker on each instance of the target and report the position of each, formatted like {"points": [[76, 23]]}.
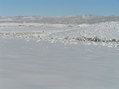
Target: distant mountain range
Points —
{"points": [[84, 19]]}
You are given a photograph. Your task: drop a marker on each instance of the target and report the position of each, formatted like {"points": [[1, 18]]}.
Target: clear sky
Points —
{"points": [[58, 7]]}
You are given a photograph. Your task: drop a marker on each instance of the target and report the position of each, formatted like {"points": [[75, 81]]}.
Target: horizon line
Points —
{"points": [[56, 16]]}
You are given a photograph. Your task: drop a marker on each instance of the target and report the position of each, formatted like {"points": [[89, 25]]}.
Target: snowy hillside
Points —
{"points": [[80, 52], [105, 33]]}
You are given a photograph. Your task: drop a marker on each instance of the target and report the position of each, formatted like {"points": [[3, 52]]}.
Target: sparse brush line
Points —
{"points": [[96, 39], [38, 34]]}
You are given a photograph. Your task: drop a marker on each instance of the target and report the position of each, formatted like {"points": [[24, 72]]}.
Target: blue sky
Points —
{"points": [[58, 7]]}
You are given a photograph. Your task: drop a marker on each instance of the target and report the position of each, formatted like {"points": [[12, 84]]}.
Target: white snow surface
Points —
{"points": [[59, 56], [106, 33]]}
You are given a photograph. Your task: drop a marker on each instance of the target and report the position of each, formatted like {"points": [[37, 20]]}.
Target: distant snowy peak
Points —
{"points": [[84, 19]]}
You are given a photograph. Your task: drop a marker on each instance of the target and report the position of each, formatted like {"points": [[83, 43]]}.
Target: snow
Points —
{"points": [[59, 56], [29, 65], [106, 33]]}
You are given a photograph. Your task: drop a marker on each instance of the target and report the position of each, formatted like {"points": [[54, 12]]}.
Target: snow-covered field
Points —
{"points": [[59, 56]]}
